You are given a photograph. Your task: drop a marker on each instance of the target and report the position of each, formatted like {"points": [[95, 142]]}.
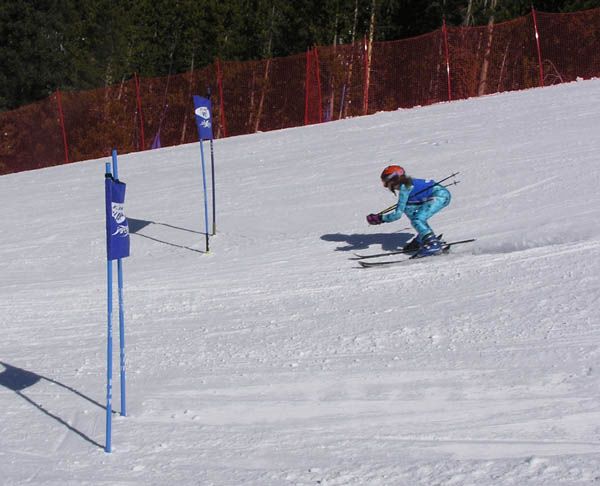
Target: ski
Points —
{"points": [[358, 256], [445, 249]]}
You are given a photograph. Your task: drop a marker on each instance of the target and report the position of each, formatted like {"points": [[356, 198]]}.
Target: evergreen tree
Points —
{"points": [[34, 50], [70, 44]]}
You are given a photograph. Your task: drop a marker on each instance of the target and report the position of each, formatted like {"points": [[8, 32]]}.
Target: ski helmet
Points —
{"points": [[392, 174]]}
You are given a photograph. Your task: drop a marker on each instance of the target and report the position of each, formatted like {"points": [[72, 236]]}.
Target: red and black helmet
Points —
{"points": [[391, 175]]}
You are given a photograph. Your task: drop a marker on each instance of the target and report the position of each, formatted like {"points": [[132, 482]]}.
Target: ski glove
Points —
{"points": [[374, 219]]}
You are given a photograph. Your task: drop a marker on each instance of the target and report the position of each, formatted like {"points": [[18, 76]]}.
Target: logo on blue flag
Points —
{"points": [[203, 114], [117, 228]]}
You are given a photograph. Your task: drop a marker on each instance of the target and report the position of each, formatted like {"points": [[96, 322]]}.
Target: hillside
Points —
{"points": [[275, 359]]}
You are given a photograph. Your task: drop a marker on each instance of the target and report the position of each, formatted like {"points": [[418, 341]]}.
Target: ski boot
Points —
{"points": [[429, 246], [412, 245]]}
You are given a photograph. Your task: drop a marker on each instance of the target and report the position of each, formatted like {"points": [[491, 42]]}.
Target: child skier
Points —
{"points": [[419, 199]]}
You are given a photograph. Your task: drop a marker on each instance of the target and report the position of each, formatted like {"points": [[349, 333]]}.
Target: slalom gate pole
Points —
{"points": [[205, 195], [438, 183], [342, 101], [115, 166], [109, 278], [212, 173]]}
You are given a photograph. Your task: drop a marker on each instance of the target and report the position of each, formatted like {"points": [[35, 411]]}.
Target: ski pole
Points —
{"points": [[391, 208], [439, 183]]}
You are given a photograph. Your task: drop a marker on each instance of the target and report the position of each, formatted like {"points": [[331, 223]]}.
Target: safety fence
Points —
{"points": [[326, 83]]}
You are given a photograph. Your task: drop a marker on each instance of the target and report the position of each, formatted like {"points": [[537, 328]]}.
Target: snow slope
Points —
{"points": [[275, 359]]}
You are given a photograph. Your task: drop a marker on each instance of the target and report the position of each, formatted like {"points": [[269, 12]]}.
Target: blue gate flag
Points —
{"points": [[203, 112], [117, 228], [156, 142]]}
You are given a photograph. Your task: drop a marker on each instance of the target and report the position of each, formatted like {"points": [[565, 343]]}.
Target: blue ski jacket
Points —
{"points": [[421, 191]]}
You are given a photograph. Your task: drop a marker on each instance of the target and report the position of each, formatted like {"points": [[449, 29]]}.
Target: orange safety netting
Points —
{"points": [[326, 83]]}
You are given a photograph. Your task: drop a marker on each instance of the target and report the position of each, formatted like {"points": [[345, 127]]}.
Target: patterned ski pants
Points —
{"points": [[420, 213]]}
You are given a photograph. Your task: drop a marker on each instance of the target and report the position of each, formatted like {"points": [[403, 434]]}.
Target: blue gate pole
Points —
{"points": [[205, 195], [212, 173], [121, 310], [121, 336], [109, 279]]}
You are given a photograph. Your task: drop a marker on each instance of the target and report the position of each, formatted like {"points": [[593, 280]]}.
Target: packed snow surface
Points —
{"points": [[275, 359]]}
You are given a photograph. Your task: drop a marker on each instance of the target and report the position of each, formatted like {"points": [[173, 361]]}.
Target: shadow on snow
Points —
{"points": [[135, 225], [18, 379], [387, 241]]}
